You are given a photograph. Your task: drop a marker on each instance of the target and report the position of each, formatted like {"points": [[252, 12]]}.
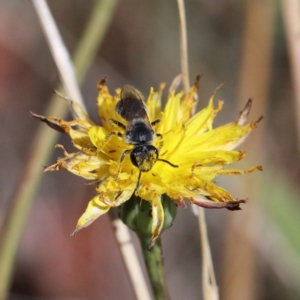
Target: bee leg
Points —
{"points": [[161, 143], [108, 137], [138, 182], [113, 133], [155, 122], [121, 161], [117, 123]]}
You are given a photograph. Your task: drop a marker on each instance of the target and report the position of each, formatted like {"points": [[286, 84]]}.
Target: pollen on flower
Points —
{"points": [[141, 149]]}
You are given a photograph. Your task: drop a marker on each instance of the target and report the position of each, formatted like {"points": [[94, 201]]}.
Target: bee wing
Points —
{"points": [[129, 91], [131, 105]]}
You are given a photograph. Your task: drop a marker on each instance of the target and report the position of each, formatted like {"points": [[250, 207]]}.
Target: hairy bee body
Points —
{"points": [[139, 131]]}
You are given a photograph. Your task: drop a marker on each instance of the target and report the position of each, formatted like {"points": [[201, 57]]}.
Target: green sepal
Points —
{"points": [[136, 214]]}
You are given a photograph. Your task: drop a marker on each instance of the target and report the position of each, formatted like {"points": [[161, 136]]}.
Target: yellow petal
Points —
{"points": [[95, 209], [208, 157], [158, 219], [81, 164], [171, 113], [55, 123], [80, 139], [201, 121], [154, 103], [82, 117], [97, 135], [225, 137], [238, 172], [188, 102], [106, 106]]}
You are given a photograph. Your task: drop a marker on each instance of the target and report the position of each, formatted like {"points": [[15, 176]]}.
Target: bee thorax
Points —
{"points": [[140, 133]]}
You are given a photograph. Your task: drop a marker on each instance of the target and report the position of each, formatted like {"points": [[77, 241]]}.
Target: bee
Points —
{"points": [[138, 132]]}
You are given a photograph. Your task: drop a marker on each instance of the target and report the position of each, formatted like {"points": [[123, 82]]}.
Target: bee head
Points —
{"points": [[144, 157]]}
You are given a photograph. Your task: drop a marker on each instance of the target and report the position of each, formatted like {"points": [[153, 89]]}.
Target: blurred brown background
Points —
{"points": [[255, 251]]}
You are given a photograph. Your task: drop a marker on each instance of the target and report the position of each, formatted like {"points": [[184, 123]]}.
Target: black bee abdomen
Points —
{"points": [[131, 108]]}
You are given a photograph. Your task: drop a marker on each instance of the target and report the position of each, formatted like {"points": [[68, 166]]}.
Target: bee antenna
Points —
{"points": [[138, 182], [166, 161]]}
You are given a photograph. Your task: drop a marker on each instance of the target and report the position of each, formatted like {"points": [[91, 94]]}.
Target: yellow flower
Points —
{"points": [[190, 143]]}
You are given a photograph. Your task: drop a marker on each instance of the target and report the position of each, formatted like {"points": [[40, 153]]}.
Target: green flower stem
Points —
{"points": [[155, 268], [136, 214], [42, 146]]}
